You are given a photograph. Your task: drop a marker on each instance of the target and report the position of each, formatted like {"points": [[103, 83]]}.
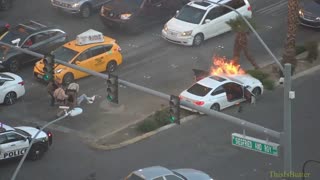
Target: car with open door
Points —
{"points": [[218, 92], [32, 36]]}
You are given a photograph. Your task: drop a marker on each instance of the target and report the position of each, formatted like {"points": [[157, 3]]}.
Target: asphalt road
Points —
{"points": [[203, 143], [148, 61]]}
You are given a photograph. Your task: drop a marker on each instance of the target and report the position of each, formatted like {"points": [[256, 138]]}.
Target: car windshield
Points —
{"points": [[199, 90], [64, 54], [131, 3], [15, 33], [134, 177], [22, 132], [190, 14]]}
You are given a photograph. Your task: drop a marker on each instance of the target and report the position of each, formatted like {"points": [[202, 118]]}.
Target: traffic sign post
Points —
{"points": [[255, 144]]}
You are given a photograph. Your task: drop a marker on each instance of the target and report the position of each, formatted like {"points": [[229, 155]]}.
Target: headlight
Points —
{"points": [[318, 18], [125, 16], [165, 28], [58, 71], [301, 12], [187, 33], [75, 5]]}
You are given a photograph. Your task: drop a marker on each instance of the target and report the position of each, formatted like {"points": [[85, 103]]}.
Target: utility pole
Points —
{"points": [[286, 136]]}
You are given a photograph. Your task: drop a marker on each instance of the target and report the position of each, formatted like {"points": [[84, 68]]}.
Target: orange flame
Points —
{"points": [[222, 66]]}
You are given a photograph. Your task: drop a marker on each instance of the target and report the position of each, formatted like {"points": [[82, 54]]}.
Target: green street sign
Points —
{"points": [[255, 144]]}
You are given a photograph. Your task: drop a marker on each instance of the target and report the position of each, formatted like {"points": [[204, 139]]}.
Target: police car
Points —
{"points": [[14, 142]]}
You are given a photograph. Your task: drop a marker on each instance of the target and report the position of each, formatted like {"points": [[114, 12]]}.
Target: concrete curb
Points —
{"points": [[95, 145]]}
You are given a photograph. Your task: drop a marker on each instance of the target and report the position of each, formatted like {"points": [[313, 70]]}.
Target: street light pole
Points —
{"points": [[73, 112], [286, 136]]}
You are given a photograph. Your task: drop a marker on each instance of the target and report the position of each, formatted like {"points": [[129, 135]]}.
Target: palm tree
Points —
{"points": [[290, 43], [242, 30]]}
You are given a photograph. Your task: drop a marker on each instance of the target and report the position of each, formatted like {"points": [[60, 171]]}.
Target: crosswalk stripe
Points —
{"points": [[273, 7]]}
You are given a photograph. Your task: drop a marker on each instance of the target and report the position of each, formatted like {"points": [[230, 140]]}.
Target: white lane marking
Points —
{"points": [[273, 7]]}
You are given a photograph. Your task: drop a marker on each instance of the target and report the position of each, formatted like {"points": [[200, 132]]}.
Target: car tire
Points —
{"points": [[215, 107], [68, 78], [256, 91], [36, 152], [10, 98], [198, 39], [14, 66], [5, 4], [111, 66], [85, 11]]}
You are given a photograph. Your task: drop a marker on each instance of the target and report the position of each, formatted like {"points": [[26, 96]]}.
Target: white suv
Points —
{"points": [[201, 20], [14, 142]]}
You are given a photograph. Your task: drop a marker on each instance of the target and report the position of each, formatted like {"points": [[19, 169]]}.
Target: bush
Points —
{"points": [[312, 48], [162, 117], [258, 74], [300, 49], [268, 84], [148, 125]]}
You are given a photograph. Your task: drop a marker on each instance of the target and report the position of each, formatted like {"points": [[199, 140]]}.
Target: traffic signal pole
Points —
{"points": [[235, 120]]}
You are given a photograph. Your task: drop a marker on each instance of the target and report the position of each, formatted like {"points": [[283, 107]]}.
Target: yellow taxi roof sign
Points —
{"points": [[89, 37]]}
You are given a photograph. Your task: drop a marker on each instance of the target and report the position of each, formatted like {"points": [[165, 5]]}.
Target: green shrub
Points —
{"points": [[148, 125], [258, 74], [312, 48], [268, 84], [300, 49], [162, 117]]}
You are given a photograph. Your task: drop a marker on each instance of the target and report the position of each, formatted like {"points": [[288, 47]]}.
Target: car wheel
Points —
{"points": [[215, 107], [111, 66], [5, 4], [10, 98], [36, 152], [14, 66], [256, 91], [68, 78], [198, 39], [85, 11]]}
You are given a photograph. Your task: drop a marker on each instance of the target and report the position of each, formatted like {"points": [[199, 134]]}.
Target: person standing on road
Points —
{"points": [[51, 87]]}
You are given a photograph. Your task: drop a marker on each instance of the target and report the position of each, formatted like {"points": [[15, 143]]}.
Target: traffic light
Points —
{"points": [[174, 110], [48, 67], [112, 88]]}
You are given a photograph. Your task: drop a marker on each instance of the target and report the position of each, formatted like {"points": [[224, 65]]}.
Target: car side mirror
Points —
{"points": [[207, 21], [177, 12], [28, 138]]}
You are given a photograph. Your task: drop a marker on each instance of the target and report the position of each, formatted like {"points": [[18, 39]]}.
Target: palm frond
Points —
{"points": [[239, 25]]}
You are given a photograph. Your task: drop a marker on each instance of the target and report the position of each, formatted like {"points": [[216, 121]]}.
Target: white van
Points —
{"points": [[201, 20]]}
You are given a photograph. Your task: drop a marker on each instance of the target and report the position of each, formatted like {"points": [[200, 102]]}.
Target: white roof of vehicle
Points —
{"points": [[193, 3], [89, 37], [4, 128], [211, 81]]}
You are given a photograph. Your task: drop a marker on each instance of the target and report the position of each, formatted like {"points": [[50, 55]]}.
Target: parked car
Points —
{"points": [[90, 50], [14, 142], [84, 8], [199, 21], [4, 27], [162, 173], [11, 88], [309, 13], [32, 36], [138, 14], [218, 92], [5, 4]]}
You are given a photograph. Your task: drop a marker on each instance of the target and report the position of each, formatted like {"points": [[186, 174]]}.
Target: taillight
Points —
{"points": [[180, 97], [199, 103], [7, 26], [49, 134], [249, 8], [21, 83]]}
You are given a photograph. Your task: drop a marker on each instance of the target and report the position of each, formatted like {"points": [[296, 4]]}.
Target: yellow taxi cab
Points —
{"points": [[90, 50]]}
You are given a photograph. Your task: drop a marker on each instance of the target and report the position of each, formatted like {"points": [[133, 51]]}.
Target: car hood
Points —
{"points": [[193, 174], [180, 26], [311, 7], [32, 131], [69, 1], [119, 7]]}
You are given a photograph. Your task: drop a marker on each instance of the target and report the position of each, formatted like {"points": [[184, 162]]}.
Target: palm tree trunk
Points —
{"points": [[290, 44], [237, 47]]}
